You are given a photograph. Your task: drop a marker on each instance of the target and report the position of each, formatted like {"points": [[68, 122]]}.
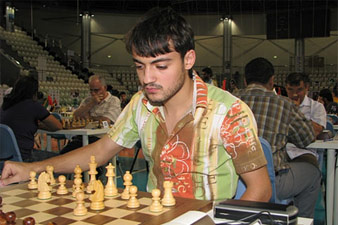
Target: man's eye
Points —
{"points": [[138, 67], [161, 67]]}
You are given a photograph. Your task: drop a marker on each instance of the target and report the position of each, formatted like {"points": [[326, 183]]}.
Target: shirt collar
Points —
{"points": [[255, 86], [306, 101], [106, 98]]}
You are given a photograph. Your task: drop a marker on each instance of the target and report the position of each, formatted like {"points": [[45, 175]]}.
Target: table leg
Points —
{"points": [[84, 143], [335, 206], [330, 185], [49, 143]]}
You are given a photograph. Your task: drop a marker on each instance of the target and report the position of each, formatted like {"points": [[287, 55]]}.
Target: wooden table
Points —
{"points": [[59, 208]]}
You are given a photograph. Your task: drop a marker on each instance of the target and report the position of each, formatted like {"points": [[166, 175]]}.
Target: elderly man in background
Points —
{"points": [[100, 106]]}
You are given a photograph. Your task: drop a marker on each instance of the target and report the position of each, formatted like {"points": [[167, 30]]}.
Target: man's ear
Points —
{"points": [[189, 59], [271, 82]]}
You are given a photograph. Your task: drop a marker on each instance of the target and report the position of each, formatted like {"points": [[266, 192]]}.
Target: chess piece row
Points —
{"points": [[74, 123]]}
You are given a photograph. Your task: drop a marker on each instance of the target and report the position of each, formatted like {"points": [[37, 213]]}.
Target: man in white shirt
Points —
{"points": [[297, 88]]}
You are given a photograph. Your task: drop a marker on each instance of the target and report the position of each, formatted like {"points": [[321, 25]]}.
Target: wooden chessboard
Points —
{"points": [[59, 209]]}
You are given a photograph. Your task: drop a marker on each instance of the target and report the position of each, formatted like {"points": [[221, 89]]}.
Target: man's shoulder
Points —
{"points": [[113, 98], [219, 94]]}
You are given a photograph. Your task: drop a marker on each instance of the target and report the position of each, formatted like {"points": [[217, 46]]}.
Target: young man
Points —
{"points": [[124, 100], [195, 135], [207, 76], [297, 87], [279, 122], [325, 97]]}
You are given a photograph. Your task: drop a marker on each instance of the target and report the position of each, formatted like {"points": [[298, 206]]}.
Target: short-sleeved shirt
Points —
{"points": [[313, 111], [213, 143], [110, 107], [279, 121], [23, 118]]}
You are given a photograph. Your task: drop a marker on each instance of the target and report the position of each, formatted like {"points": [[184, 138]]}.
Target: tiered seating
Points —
{"points": [[55, 78], [129, 80], [121, 81], [319, 80], [108, 77]]}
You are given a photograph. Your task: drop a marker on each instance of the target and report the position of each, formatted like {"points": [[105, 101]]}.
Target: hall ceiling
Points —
{"points": [[184, 6]]}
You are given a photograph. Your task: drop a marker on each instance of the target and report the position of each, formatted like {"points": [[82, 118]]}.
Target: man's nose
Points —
{"points": [[148, 76]]}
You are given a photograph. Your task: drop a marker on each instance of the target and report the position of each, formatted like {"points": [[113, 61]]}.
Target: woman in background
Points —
{"points": [[24, 115]]}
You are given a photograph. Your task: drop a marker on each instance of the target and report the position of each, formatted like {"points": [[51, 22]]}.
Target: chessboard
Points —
{"points": [[59, 208], [68, 124]]}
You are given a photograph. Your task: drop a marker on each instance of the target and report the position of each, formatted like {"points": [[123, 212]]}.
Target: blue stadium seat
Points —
{"points": [[8, 145]]}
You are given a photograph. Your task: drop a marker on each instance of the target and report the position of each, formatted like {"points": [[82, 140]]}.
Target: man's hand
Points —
{"points": [[296, 101], [97, 98], [15, 172]]}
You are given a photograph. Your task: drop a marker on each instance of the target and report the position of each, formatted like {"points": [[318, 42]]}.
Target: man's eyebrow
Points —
{"points": [[155, 61]]}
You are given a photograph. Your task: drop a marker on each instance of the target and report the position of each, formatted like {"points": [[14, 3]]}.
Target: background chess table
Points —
{"points": [[59, 208]]}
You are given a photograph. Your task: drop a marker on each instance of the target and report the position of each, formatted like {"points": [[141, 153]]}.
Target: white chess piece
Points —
{"points": [[50, 170], [92, 172], [78, 186], [32, 184], [43, 188], [156, 203], [80, 209], [110, 189], [127, 178], [97, 198], [62, 190], [168, 198], [133, 201]]}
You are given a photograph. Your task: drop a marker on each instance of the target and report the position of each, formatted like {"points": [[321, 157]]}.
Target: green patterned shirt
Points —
{"points": [[207, 149]]}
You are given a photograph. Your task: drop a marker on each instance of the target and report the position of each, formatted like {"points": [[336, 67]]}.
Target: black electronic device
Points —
{"points": [[249, 211]]}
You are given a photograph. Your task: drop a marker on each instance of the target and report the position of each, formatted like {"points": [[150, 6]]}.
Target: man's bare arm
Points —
{"points": [[103, 149], [50, 123], [317, 128], [258, 185], [83, 110]]}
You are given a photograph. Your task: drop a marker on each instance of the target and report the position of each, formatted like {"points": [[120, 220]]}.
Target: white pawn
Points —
{"points": [[50, 170], [110, 189], [32, 184], [156, 204], [133, 201], [127, 183], [62, 190], [168, 198], [80, 209]]}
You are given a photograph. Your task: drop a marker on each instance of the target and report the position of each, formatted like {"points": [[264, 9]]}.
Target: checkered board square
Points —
{"points": [[59, 208]]}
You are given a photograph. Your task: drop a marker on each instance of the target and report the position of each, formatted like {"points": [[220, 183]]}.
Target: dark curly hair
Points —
{"points": [[26, 87], [152, 35]]}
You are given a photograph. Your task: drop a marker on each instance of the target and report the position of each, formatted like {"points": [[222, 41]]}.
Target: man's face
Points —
{"points": [[123, 97], [97, 89], [297, 93], [205, 76], [162, 76]]}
